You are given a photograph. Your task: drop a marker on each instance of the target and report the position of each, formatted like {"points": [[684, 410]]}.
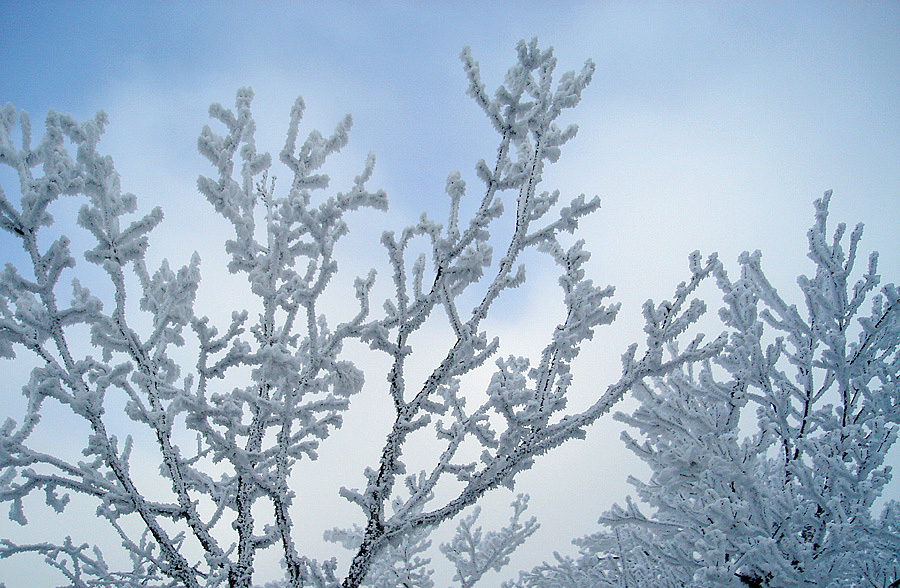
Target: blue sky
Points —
{"points": [[708, 126]]}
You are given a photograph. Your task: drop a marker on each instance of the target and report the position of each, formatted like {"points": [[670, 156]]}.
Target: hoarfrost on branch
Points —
{"points": [[251, 440]]}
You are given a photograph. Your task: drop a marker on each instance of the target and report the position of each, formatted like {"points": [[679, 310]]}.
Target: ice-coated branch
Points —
{"points": [[32, 316], [473, 553], [522, 412], [85, 567], [299, 385]]}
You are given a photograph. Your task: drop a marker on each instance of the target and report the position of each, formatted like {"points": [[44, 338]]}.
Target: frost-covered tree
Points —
{"points": [[766, 462], [233, 427]]}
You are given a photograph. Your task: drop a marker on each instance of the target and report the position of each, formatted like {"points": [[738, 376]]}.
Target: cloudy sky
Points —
{"points": [[708, 126]]}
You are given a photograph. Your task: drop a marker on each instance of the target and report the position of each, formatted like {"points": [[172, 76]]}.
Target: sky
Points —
{"points": [[708, 125]]}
